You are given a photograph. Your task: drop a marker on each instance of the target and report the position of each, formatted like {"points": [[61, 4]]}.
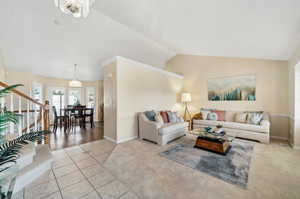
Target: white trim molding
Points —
{"points": [[126, 139], [121, 140], [295, 147], [110, 139], [149, 67], [109, 61], [280, 138]]}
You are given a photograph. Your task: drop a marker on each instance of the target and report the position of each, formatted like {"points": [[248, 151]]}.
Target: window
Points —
{"points": [[90, 97], [57, 97], [37, 92], [74, 96]]}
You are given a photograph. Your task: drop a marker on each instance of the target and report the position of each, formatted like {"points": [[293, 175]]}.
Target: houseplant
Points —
{"points": [[10, 149]]}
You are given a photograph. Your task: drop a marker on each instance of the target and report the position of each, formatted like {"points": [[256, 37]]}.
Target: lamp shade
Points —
{"points": [[75, 83], [186, 97]]}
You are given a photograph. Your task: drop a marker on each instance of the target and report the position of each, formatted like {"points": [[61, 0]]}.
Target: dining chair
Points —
{"points": [[58, 119], [89, 113]]}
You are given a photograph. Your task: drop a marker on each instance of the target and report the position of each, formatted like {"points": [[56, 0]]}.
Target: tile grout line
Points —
{"points": [[129, 187], [84, 175], [57, 184], [116, 178]]}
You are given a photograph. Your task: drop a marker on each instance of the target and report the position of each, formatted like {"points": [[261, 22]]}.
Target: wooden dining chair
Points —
{"points": [[58, 119], [89, 113]]}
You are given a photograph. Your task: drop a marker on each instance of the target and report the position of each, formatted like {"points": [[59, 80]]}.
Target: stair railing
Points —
{"points": [[35, 115]]}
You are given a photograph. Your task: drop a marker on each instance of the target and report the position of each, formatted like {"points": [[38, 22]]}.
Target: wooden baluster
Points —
{"points": [[20, 112], [28, 117], [45, 116], [12, 126], [43, 122], [35, 118], [23, 123]]}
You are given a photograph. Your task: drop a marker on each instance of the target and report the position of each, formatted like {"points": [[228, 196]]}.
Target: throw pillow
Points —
{"points": [[221, 114], [172, 116], [205, 114], [240, 117], [213, 116], [198, 116], [159, 119], [150, 115], [254, 118], [165, 117]]}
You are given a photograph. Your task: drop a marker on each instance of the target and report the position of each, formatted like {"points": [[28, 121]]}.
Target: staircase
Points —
{"points": [[34, 159]]}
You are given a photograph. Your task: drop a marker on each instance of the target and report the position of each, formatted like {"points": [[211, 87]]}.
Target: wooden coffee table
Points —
{"points": [[213, 143]]}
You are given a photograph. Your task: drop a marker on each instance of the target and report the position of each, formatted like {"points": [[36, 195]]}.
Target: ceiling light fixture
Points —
{"points": [[77, 8], [75, 82]]}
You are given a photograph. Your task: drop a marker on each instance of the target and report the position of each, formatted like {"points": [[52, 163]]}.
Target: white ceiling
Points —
{"points": [[267, 29], [35, 36], [31, 41]]}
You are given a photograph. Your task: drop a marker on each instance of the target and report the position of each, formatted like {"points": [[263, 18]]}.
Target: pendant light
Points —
{"points": [[75, 82]]}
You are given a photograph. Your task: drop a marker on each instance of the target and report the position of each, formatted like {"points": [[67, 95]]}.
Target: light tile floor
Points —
{"points": [[134, 170]]}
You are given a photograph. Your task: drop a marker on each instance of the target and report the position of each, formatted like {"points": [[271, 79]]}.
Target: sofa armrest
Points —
{"points": [[148, 129], [144, 121], [265, 122]]}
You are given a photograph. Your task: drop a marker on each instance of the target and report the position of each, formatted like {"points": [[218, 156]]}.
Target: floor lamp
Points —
{"points": [[185, 99]]}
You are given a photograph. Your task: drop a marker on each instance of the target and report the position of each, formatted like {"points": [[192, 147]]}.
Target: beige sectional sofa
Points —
{"points": [[259, 132], [160, 133]]}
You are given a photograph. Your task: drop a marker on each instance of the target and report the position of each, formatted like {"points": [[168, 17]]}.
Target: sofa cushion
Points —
{"points": [[172, 116], [240, 117], [233, 125], [150, 115], [204, 114], [159, 119], [212, 116], [165, 117], [221, 114], [172, 127], [254, 118]]}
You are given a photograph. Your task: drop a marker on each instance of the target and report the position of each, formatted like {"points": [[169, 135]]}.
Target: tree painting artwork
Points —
{"points": [[239, 88]]}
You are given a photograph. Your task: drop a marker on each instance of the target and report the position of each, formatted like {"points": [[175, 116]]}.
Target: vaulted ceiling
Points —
{"points": [[35, 36]]}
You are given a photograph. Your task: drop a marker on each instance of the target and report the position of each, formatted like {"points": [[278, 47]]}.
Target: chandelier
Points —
{"points": [[75, 82], [77, 8]]}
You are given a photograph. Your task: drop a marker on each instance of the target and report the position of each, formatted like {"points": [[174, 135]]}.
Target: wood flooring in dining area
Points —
{"points": [[63, 139]]}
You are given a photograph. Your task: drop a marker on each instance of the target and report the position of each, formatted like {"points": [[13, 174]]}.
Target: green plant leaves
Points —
{"points": [[10, 150], [5, 91]]}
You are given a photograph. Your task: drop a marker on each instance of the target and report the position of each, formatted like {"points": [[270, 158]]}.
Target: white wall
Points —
{"points": [[27, 79], [110, 101], [271, 85], [294, 64], [140, 87]]}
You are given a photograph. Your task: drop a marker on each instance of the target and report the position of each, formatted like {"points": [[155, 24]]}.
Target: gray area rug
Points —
{"points": [[232, 168]]}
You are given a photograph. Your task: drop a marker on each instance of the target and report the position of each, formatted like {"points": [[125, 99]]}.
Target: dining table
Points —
{"points": [[78, 111]]}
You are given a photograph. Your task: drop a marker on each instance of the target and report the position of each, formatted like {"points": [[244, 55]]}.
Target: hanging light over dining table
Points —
{"points": [[75, 82], [76, 8]]}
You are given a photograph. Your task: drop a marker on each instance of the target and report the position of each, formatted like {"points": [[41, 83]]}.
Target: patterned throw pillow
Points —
{"points": [[150, 115], [165, 117], [213, 116], [205, 114], [172, 117], [221, 115], [254, 118], [159, 119], [240, 117]]}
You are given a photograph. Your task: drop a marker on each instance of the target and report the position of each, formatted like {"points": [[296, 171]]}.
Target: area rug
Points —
{"points": [[232, 168]]}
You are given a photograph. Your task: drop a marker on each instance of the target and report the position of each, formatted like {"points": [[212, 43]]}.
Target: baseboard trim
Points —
{"points": [[110, 139], [280, 138], [126, 139], [295, 147]]}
